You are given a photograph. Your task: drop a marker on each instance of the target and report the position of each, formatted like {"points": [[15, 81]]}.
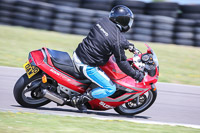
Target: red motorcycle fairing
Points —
{"points": [[112, 101], [102, 105], [114, 73], [112, 70], [133, 88]]}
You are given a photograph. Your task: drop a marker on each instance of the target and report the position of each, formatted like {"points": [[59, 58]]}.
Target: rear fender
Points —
{"points": [[38, 57], [47, 56]]}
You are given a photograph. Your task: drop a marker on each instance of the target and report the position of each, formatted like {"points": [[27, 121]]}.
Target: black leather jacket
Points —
{"points": [[104, 40]]}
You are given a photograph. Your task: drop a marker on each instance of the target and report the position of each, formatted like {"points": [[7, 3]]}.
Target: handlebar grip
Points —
{"points": [[131, 48]]}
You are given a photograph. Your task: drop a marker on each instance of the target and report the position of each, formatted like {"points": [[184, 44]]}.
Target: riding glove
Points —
{"points": [[139, 75]]}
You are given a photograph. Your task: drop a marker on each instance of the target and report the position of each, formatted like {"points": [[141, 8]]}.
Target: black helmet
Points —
{"points": [[122, 16]]}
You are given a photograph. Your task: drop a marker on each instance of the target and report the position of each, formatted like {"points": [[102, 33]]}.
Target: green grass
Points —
{"points": [[38, 123], [178, 64]]}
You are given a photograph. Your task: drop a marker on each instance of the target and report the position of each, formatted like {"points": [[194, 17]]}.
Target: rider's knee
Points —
{"points": [[111, 90]]}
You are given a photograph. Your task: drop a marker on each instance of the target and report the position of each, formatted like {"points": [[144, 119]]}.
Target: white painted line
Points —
{"points": [[106, 118], [152, 122]]}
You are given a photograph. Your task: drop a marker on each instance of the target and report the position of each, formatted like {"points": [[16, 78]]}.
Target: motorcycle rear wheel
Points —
{"points": [[150, 98], [26, 97]]}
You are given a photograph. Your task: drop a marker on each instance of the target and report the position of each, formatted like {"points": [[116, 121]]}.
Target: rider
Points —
{"points": [[104, 39]]}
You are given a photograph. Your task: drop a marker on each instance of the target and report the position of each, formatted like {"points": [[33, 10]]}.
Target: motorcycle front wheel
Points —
{"points": [[26, 91], [138, 105]]}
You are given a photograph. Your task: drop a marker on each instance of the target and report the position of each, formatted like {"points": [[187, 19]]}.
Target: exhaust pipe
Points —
{"points": [[53, 97]]}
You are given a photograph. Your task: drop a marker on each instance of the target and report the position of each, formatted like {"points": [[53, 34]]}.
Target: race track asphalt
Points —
{"points": [[175, 104]]}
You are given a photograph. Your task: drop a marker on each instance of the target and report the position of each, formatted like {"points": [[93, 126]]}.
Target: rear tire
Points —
{"points": [[148, 100], [21, 87]]}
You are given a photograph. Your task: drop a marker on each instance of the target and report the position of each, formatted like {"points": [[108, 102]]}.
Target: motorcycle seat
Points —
{"points": [[62, 61]]}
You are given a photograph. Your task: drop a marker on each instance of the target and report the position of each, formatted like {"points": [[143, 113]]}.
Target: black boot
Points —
{"points": [[79, 101]]}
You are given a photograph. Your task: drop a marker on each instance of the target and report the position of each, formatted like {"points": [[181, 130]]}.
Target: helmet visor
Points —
{"points": [[125, 21], [130, 22]]}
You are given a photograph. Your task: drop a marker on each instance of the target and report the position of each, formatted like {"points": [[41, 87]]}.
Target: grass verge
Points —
{"points": [[31, 123], [178, 64]]}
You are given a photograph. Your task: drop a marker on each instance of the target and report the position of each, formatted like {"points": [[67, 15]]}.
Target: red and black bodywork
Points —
{"points": [[59, 66]]}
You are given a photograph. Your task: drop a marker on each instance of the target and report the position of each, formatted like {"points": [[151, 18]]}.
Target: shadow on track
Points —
{"points": [[92, 112]]}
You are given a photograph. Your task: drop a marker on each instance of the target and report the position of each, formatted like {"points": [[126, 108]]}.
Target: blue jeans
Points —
{"points": [[96, 75]]}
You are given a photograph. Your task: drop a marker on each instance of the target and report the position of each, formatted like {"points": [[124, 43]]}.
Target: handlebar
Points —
{"points": [[134, 50]]}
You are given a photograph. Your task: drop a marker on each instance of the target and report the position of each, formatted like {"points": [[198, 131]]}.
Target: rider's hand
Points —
{"points": [[139, 75], [131, 47]]}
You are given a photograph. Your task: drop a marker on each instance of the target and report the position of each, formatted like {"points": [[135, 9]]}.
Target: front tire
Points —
{"points": [[26, 97], [133, 107]]}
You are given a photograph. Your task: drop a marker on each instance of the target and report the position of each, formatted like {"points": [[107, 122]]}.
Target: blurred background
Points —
{"points": [[164, 21], [178, 1]]}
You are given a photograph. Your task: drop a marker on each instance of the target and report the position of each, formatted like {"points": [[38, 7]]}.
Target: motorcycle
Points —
{"points": [[52, 76]]}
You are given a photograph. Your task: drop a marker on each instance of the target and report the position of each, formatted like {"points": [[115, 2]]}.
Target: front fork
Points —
{"points": [[152, 86]]}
